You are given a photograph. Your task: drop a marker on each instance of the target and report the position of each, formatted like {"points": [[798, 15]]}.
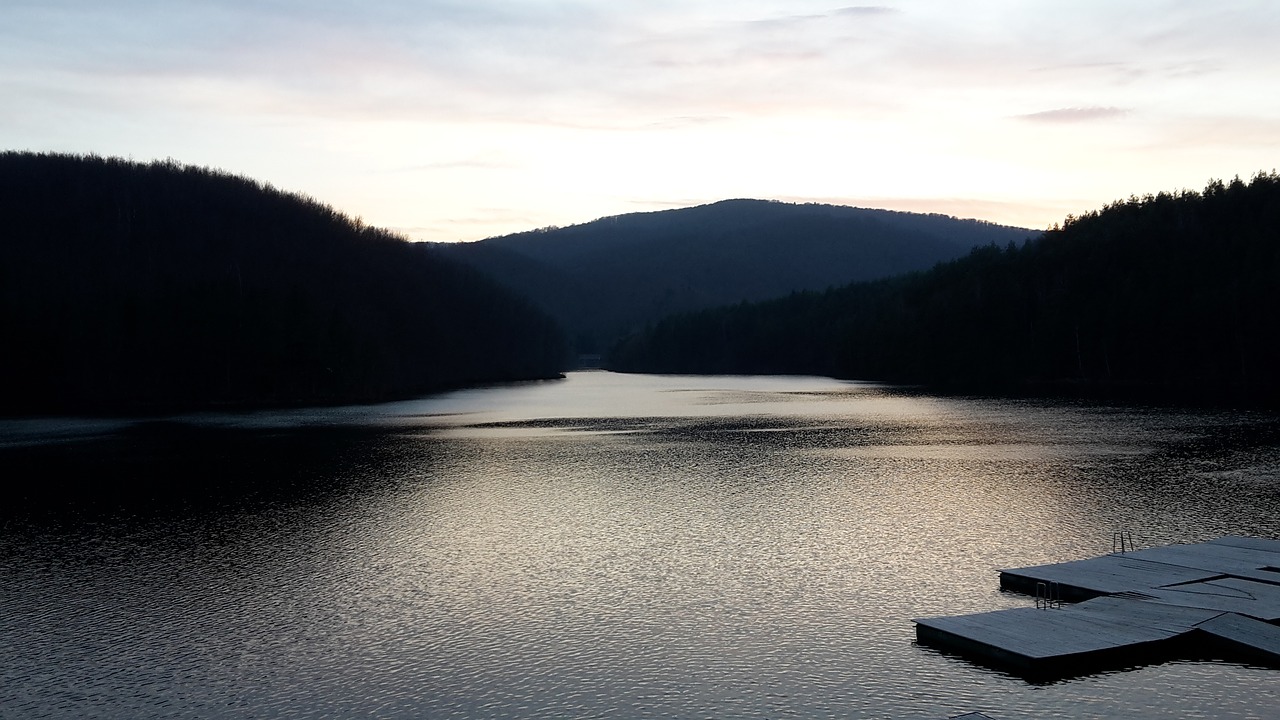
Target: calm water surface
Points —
{"points": [[606, 546]]}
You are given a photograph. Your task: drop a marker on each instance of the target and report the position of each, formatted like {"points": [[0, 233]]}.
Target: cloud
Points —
{"points": [[514, 102], [1074, 114], [467, 164], [482, 222], [865, 10], [687, 121], [860, 11]]}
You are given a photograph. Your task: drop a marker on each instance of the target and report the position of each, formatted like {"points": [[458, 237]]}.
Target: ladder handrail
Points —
{"points": [[1048, 595]]}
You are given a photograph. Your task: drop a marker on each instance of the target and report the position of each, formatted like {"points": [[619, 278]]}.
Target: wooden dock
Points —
{"points": [[1219, 596]]}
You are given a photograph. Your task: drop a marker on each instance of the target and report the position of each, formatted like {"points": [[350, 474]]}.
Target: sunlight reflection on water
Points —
{"points": [[618, 546]]}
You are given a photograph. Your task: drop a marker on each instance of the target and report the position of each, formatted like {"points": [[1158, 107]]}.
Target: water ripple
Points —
{"points": [[726, 553]]}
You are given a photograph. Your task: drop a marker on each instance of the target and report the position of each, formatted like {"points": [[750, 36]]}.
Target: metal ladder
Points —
{"points": [[1121, 541], [1048, 595]]}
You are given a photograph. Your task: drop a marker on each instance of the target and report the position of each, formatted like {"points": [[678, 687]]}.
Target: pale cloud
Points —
{"points": [[427, 114], [1075, 114], [465, 164], [865, 10], [687, 121]]}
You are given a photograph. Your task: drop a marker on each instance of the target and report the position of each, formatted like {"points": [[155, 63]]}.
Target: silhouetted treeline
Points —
{"points": [[607, 278], [128, 287], [1173, 296]]}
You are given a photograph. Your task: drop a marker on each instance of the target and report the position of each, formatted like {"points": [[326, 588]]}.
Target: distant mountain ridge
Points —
{"points": [[606, 278], [129, 287], [1169, 297]]}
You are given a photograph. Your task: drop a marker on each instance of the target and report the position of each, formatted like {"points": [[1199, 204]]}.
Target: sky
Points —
{"points": [[464, 119]]}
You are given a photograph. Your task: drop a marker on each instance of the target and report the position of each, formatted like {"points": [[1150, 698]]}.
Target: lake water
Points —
{"points": [[605, 546]]}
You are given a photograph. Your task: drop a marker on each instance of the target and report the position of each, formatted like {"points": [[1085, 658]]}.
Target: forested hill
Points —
{"points": [[1173, 296], [605, 278], [129, 287]]}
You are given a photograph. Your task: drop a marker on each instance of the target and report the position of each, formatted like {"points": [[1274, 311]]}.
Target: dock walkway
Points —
{"points": [[1137, 606]]}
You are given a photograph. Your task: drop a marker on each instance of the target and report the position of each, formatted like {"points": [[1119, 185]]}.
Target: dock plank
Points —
{"points": [[1254, 599], [1139, 570], [1107, 575], [1247, 542], [1224, 559], [1262, 575], [1145, 603], [1089, 627], [1259, 640]]}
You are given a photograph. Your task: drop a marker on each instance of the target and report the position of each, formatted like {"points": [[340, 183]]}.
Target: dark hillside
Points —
{"points": [[129, 287], [1170, 296], [605, 278]]}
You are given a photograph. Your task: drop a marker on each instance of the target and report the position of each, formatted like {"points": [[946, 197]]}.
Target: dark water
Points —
{"points": [[602, 547]]}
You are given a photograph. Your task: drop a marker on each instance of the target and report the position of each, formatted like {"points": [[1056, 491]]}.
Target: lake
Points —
{"points": [[604, 546]]}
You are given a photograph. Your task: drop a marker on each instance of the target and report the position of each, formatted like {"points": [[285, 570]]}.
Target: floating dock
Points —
{"points": [[1219, 597]]}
